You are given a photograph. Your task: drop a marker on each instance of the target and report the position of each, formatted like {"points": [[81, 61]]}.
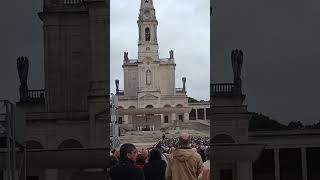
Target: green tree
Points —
{"points": [[260, 122], [295, 125], [192, 100]]}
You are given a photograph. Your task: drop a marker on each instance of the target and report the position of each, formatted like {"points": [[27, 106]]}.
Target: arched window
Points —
{"points": [[149, 106], [147, 31], [120, 120], [148, 77]]}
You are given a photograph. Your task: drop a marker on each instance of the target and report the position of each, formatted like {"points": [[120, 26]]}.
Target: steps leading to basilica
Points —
{"points": [[148, 138], [200, 126]]}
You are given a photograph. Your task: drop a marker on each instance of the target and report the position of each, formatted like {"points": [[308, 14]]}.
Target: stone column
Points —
{"points": [[98, 45], [130, 119], [6, 174], [51, 174], [162, 118], [304, 163], [216, 172], [173, 120], [92, 122], [186, 117], [196, 113], [244, 170], [173, 117], [205, 113], [276, 164], [125, 119]]}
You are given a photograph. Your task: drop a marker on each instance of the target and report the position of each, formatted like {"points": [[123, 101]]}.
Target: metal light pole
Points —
{"points": [[7, 130], [115, 142]]}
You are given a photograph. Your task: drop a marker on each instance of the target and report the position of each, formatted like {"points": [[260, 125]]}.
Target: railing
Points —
{"points": [[62, 4], [120, 92], [72, 2], [223, 89], [36, 95], [180, 90]]}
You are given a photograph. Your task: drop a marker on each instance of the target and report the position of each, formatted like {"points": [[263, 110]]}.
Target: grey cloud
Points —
{"points": [[279, 39]]}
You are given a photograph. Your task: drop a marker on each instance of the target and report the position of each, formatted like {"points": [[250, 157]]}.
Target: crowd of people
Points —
{"points": [[196, 142], [184, 157]]}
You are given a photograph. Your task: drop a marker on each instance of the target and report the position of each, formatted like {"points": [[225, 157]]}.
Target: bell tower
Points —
{"points": [[147, 24]]}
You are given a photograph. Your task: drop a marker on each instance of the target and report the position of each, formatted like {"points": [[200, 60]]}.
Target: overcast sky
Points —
{"points": [[279, 39], [20, 35], [183, 26]]}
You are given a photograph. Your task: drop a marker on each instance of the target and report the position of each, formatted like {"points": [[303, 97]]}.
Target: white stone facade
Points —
{"points": [[149, 81]]}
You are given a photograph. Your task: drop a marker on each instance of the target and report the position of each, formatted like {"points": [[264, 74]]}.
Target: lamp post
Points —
{"points": [[115, 142]]}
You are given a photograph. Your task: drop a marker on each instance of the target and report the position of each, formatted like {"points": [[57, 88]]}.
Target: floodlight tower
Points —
{"points": [[13, 159]]}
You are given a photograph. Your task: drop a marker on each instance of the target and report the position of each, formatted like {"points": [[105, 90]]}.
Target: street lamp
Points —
{"points": [[115, 142]]}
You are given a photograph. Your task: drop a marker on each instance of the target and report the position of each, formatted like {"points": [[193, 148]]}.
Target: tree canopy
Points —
{"points": [[192, 100], [260, 122]]}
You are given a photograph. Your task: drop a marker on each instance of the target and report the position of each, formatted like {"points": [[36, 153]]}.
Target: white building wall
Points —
{"points": [[130, 80]]}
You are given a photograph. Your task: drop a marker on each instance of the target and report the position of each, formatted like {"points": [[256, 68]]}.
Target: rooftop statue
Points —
{"points": [[237, 61], [23, 68], [171, 54], [117, 86], [125, 58]]}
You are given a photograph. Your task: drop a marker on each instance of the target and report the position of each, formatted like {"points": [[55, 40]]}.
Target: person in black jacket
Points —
{"points": [[155, 168], [126, 168]]}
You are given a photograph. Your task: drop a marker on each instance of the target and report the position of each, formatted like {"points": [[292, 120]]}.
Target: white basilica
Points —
{"points": [[150, 99]]}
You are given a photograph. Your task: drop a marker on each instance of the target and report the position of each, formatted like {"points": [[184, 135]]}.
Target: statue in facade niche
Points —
{"points": [[171, 54], [23, 68]]}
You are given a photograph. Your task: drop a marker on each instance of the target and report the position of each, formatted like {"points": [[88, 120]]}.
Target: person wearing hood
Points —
{"points": [[126, 168], [184, 163], [156, 167]]}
